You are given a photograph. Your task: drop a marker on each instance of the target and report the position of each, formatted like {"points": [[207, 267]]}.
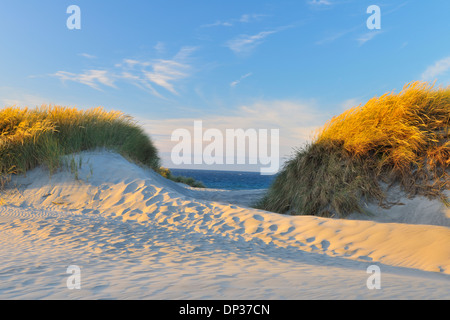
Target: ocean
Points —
{"points": [[227, 180]]}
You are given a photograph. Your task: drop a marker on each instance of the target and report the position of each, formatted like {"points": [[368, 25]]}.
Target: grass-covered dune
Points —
{"points": [[41, 136], [397, 139]]}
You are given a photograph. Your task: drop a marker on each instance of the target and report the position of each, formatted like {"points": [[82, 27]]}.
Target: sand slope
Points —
{"points": [[139, 235]]}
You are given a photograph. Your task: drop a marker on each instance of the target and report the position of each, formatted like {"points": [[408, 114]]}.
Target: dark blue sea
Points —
{"points": [[228, 180]]}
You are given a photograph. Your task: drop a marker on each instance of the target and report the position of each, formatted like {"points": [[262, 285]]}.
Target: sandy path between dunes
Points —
{"points": [[136, 235]]}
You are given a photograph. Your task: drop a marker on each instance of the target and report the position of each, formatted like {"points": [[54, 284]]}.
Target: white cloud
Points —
{"points": [[439, 68], [336, 36], [185, 53], [161, 72], [246, 43], [87, 56], [245, 18], [164, 73], [160, 47], [236, 82], [130, 62], [218, 24], [367, 37], [91, 78], [141, 83], [320, 2]]}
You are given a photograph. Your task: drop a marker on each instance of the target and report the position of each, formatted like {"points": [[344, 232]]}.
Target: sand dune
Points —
{"points": [[138, 235]]}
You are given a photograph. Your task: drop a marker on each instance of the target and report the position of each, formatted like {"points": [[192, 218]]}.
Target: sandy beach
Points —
{"points": [[136, 235]]}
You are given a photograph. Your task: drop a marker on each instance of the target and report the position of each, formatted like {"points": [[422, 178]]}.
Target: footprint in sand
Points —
{"points": [[149, 192], [291, 229], [325, 244], [258, 217], [121, 201], [131, 187], [134, 213], [309, 240]]}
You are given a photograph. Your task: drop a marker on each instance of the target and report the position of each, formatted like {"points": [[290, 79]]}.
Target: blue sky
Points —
{"points": [[283, 64]]}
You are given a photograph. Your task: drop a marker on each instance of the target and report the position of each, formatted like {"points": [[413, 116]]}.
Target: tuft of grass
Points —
{"points": [[166, 173], [41, 136], [396, 139]]}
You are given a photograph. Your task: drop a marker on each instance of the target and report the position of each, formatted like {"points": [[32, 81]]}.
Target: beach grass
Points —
{"points": [[41, 136], [166, 173], [397, 139]]}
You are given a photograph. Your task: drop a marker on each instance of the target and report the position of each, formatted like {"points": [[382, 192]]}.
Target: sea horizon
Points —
{"points": [[227, 179]]}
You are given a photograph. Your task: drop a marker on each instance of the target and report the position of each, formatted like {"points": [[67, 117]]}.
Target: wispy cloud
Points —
{"points": [[368, 36], [336, 36], [320, 2], [160, 47], [146, 75], [218, 24], [246, 43], [91, 78], [245, 18], [439, 68], [165, 72], [236, 82], [87, 55]]}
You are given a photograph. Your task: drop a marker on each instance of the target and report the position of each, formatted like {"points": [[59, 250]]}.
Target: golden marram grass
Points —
{"points": [[398, 139]]}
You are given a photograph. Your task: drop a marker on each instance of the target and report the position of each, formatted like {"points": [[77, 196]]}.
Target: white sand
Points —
{"points": [[136, 235]]}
